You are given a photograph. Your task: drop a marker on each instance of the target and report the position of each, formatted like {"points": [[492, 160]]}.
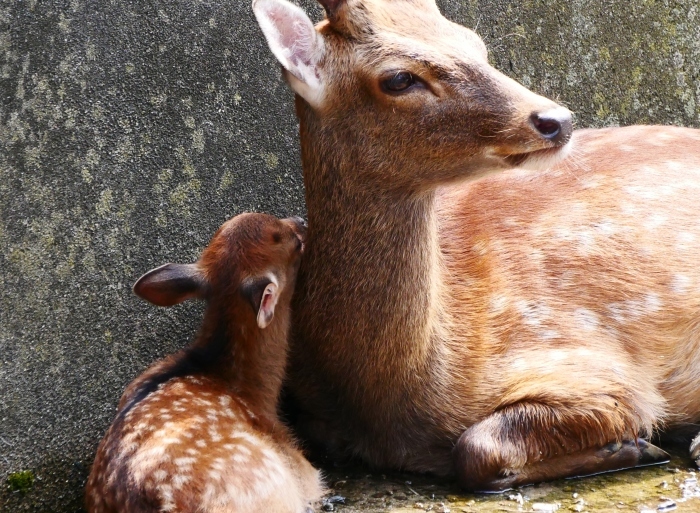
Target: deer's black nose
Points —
{"points": [[554, 125]]}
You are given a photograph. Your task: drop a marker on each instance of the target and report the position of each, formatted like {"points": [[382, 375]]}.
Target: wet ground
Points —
{"points": [[670, 487]]}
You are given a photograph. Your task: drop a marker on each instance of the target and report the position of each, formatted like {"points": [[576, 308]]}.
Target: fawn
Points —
{"points": [[199, 431], [485, 292]]}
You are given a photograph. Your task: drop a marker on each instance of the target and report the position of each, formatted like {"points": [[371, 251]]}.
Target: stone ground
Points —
{"points": [[671, 487]]}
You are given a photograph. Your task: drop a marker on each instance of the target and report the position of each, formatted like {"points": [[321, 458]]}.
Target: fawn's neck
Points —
{"points": [[248, 359]]}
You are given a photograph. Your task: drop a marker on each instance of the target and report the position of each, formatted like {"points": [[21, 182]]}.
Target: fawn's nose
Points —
{"points": [[299, 226], [555, 125], [300, 221]]}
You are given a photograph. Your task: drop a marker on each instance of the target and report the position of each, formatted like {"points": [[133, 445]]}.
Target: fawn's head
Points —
{"points": [[252, 258], [406, 86]]}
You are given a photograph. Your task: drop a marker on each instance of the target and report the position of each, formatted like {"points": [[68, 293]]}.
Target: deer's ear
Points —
{"points": [[296, 44], [170, 284], [262, 293]]}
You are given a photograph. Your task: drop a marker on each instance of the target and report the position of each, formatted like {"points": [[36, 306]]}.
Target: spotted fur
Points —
{"points": [[198, 431]]}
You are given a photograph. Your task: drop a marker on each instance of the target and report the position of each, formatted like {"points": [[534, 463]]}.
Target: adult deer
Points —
{"points": [[505, 327]]}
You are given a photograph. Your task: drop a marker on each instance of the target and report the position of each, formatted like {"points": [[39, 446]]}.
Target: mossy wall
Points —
{"points": [[130, 130]]}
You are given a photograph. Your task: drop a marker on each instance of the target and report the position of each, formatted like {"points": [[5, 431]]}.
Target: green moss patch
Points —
{"points": [[20, 481]]}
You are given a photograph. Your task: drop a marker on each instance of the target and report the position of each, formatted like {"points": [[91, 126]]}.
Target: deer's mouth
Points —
{"points": [[539, 160]]}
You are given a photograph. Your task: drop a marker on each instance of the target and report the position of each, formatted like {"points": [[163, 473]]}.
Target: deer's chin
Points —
{"points": [[540, 160]]}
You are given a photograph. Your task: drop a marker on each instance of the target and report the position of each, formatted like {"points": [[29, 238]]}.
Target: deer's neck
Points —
{"points": [[249, 360], [367, 294]]}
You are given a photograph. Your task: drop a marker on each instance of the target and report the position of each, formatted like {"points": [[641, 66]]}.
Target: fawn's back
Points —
{"points": [[199, 431]]}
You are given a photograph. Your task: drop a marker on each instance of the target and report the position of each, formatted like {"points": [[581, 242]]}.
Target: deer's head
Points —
{"points": [[399, 87]]}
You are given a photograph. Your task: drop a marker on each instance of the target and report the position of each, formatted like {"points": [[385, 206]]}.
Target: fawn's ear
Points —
{"points": [[296, 44], [262, 292], [170, 284]]}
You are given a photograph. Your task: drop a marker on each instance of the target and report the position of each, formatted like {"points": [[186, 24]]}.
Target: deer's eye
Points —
{"points": [[398, 82]]}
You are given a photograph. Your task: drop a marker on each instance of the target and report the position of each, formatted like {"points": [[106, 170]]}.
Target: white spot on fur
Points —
{"points": [[160, 475], [549, 334], [643, 192], [652, 303], [239, 457], [499, 303], [245, 450], [245, 436], [680, 283], [520, 364], [591, 182], [584, 239], [655, 221], [534, 313], [166, 494], [146, 459], [179, 480], [684, 240], [617, 313], [586, 319], [606, 227], [184, 461], [633, 309]]}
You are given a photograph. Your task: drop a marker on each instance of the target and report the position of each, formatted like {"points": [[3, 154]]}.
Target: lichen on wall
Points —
{"points": [[612, 63]]}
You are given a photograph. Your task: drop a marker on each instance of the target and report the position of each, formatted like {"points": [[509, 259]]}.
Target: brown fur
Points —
{"points": [[199, 431], [509, 327]]}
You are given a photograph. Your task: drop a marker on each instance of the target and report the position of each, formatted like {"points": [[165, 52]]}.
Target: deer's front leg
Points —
{"points": [[526, 443]]}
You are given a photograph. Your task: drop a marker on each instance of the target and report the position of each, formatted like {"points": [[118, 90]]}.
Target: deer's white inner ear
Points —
{"points": [[296, 44], [268, 301]]}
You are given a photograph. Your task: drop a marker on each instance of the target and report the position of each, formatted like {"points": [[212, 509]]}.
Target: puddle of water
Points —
{"points": [[670, 487]]}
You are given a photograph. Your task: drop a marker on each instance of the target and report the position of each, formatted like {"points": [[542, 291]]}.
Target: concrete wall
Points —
{"points": [[130, 130]]}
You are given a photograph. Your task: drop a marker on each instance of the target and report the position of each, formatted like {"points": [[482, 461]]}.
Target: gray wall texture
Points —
{"points": [[130, 130]]}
